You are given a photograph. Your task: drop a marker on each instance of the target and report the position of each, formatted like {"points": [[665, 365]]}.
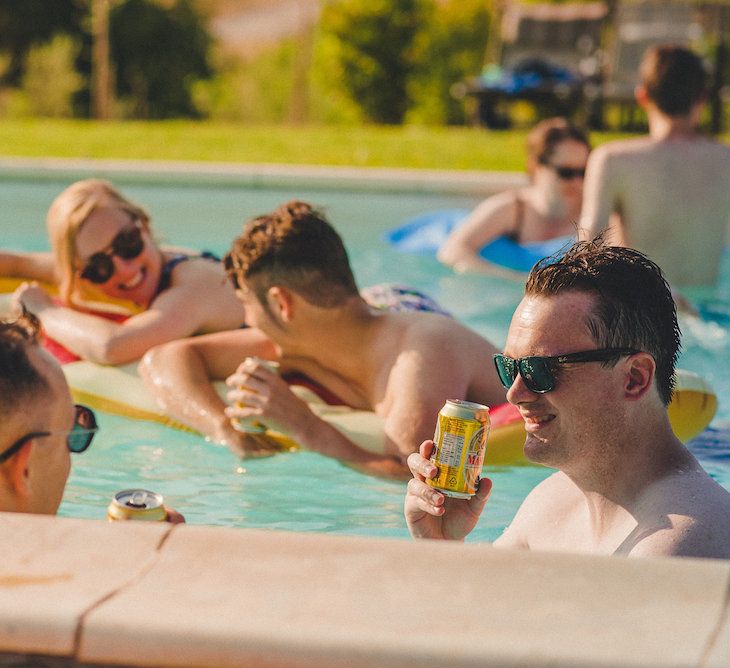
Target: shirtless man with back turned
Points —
{"points": [[589, 361], [666, 194], [291, 272]]}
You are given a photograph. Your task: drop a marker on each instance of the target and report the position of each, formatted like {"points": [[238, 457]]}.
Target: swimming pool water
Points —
{"points": [[304, 491]]}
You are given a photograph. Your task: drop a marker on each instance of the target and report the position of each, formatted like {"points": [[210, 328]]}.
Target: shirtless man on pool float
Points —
{"points": [[291, 271], [589, 360]]}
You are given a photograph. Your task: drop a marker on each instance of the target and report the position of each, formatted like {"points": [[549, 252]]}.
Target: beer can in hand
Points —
{"points": [[251, 425], [137, 504], [460, 442]]}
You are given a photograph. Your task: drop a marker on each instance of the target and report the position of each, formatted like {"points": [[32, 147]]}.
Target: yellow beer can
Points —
{"points": [[460, 442], [137, 504]]}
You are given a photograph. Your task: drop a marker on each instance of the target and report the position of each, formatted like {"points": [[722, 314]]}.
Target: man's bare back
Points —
{"points": [[409, 364], [669, 199]]}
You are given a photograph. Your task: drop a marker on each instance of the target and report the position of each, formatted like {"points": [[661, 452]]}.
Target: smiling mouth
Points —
{"points": [[135, 282], [535, 422]]}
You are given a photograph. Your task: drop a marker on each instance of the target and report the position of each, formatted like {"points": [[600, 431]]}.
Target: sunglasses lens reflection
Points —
{"points": [[128, 244], [83, 431]]}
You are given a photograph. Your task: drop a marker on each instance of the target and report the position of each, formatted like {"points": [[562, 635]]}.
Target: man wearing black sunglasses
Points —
{"points": [[41, 426], [589, 361]]}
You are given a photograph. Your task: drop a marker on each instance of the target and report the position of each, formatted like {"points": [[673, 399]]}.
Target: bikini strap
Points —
{"points": [[519, 221], [166, 273]]}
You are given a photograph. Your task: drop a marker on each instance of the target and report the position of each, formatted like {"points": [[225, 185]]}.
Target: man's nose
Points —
{"points": [[518, 392]]}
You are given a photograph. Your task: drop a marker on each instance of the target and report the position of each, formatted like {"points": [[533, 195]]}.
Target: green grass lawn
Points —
{"points": [[366, 146]]}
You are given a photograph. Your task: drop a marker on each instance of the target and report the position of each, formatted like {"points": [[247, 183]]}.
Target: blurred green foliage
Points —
{"points": [[158, 53], [376, 45], [50, 80], [453, 49]]}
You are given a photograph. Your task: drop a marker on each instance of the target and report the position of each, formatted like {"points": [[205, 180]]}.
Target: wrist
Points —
{"points": [[305, 429]]}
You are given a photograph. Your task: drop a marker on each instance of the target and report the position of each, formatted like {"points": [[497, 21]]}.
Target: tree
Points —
{"points": [[25, 23], [158, 53], [452, 51], [50, 80], [376, 48]]}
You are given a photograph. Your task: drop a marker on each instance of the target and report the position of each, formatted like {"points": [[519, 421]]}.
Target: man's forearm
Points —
{"points": [[317, 435], [179, 382]]}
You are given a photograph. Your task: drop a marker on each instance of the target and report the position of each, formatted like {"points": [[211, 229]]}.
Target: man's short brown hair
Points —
{"points": [[295, 247], [633, 308], [19, 379], [674, 78]]}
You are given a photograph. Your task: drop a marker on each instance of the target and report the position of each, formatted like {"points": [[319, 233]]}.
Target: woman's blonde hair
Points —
{"points": [[67, 214]]}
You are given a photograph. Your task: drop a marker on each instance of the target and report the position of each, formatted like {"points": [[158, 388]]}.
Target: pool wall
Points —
{"points": [[254, 175], [131, 593]]}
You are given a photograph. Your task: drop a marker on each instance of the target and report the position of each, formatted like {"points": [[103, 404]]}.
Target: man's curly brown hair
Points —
{"points": [[295, 247]]}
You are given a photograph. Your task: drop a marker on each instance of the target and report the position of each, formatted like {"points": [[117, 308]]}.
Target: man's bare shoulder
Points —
{"points": [[686, 514], [419, 329], [552, 497], [544, 514], [646, 148]]}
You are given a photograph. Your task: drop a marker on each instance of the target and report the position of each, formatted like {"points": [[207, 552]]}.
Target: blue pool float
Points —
{"points": [[424, 235]]}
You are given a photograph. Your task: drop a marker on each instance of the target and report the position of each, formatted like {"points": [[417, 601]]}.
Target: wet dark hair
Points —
{"points": [[674, 78], [19, 378], [546, 135], [634, 307], [294, 246]]}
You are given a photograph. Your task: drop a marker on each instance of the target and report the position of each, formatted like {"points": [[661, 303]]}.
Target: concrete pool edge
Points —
{"points": [[366, 179], [131, 593]]}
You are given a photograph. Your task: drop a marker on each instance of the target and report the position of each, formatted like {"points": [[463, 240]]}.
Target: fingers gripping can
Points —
{"points": [[460, 442], [250, 425], [137, 504]]}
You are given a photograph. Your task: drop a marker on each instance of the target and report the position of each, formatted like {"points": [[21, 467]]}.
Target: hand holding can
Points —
{"points": [[460, 443], [252, 425]]}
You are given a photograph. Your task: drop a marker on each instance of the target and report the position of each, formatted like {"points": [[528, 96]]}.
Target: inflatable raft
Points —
{"points": [[120, 391], [426, 233]]}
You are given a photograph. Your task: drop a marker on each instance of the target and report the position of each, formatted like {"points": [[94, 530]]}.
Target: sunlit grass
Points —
{"points": [[366, 146]]}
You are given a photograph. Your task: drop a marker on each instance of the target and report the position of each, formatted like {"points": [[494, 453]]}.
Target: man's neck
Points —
{"points": [[617, 481], [336, 339], [663, 127]]}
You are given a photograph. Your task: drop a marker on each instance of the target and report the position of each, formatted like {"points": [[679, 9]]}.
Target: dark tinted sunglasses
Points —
{"points": [[128, 244], [568, 173], [77, 440], [538, 373]]}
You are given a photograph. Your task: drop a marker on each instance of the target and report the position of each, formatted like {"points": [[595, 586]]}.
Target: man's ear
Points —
{"points": [[281, 302], [15, 472], [641, 370], [641, 96]]}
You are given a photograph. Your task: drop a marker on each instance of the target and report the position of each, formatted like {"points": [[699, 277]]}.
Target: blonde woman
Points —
{"points": [[103, 253]]}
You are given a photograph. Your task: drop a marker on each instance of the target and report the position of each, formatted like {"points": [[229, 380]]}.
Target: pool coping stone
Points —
{"points": [[257, 175], [133, 593]]}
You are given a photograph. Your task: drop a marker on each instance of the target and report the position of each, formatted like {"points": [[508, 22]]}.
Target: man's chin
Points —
{"points": [[539, 451]]}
